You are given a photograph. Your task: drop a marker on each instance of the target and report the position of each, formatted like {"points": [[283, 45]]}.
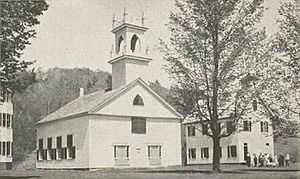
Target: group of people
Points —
{"points": [[266, 160]]}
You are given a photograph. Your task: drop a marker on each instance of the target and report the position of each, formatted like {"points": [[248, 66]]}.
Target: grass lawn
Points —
{"points": [[178, 172]]}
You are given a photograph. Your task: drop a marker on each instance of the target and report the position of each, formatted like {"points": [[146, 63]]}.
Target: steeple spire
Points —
{"points": [[125, 14], [129, 59]]}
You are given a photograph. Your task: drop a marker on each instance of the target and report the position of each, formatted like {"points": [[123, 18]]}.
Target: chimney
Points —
{"points": [[81, 92]]}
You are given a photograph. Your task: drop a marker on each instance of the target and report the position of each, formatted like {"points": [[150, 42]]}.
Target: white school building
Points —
{"points": [[253, 135], [6, 130], [129, 126]]}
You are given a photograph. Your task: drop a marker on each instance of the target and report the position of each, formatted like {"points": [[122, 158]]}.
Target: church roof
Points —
{"points": [[88, 104]]}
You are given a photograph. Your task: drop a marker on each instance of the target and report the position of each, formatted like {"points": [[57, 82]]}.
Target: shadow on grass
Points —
{"points": [[194, 171]]}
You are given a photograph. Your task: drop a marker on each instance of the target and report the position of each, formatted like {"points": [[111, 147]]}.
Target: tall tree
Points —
{"points": [[18, 17], [212, 55]]}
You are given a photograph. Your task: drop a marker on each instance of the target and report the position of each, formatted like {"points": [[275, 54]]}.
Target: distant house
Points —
{"points": [[129, 126], [6, 131], [253, 135]]}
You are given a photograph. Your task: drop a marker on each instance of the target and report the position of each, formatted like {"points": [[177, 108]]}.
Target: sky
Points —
{"points": [[77, 33]]}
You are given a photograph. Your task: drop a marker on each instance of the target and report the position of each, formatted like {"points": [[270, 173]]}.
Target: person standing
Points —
{"points": [[248, 159], [275, 161], [287, 159], [255, 160], [260, 160]]}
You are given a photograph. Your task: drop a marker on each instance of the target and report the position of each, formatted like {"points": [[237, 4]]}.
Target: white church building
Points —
{"points": [[254, 134], [129, 126]]}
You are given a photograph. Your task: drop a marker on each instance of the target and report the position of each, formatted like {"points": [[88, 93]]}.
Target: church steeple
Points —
{"points": [[129, 54]]}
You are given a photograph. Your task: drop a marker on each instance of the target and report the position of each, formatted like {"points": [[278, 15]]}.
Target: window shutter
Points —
{"points": [[37, 155], [8, 148], [207, 152], [3, 148], [250, 125], [73, 152], [228, 151]]}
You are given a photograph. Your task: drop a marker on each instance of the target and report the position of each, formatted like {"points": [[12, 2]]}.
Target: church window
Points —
{"points": [[40, 144], [138, 101], [138, 125], [120, 44], [134, 43], [121, 155], [69, 141]]}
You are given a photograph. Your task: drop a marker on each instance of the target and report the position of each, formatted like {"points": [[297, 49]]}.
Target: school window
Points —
{"points": [[267, 144], [247, 125], [204, 152], [138, 125], [220, 152], [8, 148], [8, 120], [192, 153], [230, 126], [0, 148], [4, 119], [204, 128], [191, 130], [154, 151], [232, 151], [254, 104], [1, 119], [121, 151], [264, 126]]}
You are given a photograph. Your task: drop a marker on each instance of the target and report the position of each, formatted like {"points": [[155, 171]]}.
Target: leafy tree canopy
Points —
{"points": [[18, 19]]}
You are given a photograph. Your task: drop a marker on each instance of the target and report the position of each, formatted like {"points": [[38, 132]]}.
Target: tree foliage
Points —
{"points": [[18, 19], [214, 51], [279, 89]]}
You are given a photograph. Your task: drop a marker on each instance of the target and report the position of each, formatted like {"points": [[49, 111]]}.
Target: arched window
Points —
{"points": [[138, 100], [135, 42], [120, 44]]}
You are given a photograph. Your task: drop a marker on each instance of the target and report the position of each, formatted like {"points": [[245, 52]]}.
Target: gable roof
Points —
{"points": [[89, 104]]}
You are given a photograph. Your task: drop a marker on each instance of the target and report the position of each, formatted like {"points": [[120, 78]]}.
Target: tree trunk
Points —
{"points": [[216, 154]]}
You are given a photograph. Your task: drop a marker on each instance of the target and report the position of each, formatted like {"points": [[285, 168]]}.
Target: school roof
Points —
{"points": [[87, 104]]}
